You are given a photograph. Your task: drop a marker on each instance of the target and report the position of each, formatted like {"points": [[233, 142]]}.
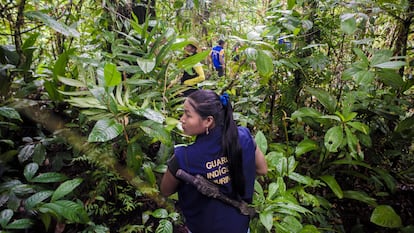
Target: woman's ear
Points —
{"points": [[209, 121]]}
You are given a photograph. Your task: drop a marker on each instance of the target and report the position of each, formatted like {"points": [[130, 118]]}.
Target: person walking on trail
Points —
{"points": [[196, 75], [217, 57], [224, 154]]}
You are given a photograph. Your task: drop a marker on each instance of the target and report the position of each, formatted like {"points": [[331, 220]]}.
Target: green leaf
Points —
{"points": [[39, 153], [391, 65], [291, 223], [385, 216], [266, 218], [71, 82], [324, 97], [361, 55], [111, 75], [5, 216], [333, 184], [391, 78], [49, 177], [359, 196], [309, 229], [364, 78], [156, 131], [302, 179], [264, 64], [65, 188], [150, 114], [359, 126], [37, 198], [190, 61], [272, 191], [352, 142], [261, 141], [55, 25], [30, 170], [333, 139], [349, 25], [165, 226], [305, 112], [10, 113], [388, 179], [149, 174], [59, 68], [305, 146], [26, 152], [146, 65], [160, 213], [69, 210], [23, 223], [105, 130]]}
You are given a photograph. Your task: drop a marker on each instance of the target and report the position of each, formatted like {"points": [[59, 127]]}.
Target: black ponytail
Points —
{"points": [[208, 103]]}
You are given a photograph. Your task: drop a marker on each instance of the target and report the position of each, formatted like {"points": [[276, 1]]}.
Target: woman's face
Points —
{"points": [[191, 121], [189, 49]]}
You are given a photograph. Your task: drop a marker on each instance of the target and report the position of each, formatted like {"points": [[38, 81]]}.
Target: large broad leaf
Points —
{"points": [[352, 142], [65, 188], [26, 152], [150, 114], [23, 223], [391, 78], [266, 218], [305, 112], [333, 184], [5, 216], [37, 198], [49, 177], [391, 65], [146, 65], [105, 130], [364, 78], [291, 223], [359, 126], [69, 210], [306, 180], [305, 146], [385, 216], [112, 75], [361, 55], [59, 68], [334, 138], [360, 196], [190, 61], [30, 170], [264, 64], [71, 82], [55, 25], [261, 141], [324, 97], [165, 226], [160, 213], [348, 24], [156, 131], [10, 113]]}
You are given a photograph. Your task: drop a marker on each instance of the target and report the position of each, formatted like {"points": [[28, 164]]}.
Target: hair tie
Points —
{"points": [[224, 99]]}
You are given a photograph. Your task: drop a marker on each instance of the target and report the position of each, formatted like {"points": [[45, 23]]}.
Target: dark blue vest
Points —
{"points": [[208, 215], [215, 56]]}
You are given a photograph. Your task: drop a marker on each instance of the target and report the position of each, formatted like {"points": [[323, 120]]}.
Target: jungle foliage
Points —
{"points": [[89, 115]]}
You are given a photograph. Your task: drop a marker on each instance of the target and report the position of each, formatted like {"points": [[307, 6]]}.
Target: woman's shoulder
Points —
{"points": [[245, 135], [244, 131]]}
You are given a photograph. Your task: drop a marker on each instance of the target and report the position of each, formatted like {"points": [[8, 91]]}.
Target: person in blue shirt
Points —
{"points": [[223, 153], [217, 57]]}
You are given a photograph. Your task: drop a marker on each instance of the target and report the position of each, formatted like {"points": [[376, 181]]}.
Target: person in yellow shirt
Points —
{"points": [[196, 75]]}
